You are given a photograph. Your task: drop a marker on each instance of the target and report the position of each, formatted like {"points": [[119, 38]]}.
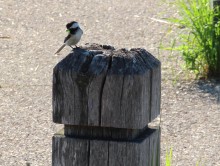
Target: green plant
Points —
{"points": [[169, 157], [199, 42]]}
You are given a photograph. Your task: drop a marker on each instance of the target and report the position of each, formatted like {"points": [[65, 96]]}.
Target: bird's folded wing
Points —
{"points": [[67, 38]]}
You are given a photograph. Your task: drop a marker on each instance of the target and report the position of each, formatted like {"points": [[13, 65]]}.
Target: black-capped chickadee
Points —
{"points": [[74, 36]]}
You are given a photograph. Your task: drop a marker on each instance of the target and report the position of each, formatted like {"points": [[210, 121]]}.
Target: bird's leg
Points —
{"points": [[71, 47]]}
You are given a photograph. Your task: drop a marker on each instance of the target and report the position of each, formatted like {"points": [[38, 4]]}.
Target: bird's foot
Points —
{"points": [[71, 47]]}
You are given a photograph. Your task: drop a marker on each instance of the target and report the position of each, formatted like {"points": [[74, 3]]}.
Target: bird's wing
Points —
{"points": [[67, 38]]}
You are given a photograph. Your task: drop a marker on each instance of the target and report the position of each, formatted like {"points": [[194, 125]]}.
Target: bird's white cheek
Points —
{"points": [[75, 25]]}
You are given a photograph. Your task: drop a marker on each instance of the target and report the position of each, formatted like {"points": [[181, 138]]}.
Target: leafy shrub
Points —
{"points": [[200, 42]]}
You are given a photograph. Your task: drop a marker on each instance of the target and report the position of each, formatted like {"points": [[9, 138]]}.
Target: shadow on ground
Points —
{"points": [[211, 87]]}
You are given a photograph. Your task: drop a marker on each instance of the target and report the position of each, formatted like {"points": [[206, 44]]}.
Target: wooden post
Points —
{"points": [[106, 98]]}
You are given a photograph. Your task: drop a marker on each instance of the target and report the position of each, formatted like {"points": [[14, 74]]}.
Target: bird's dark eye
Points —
{"points": [[73, 30]]}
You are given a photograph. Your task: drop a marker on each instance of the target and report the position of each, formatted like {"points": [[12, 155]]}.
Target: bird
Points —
{"points": [[74, 35]]}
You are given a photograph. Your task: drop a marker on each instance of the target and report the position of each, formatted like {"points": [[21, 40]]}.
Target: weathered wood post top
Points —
{"points": [[101, 86], [105, 98]]}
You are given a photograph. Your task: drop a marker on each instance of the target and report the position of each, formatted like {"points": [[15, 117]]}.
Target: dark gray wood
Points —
{"points": [[104, 133], [155, 67], [117, 154], [98, 153], [127, 90], [154, 150], [105, 98], [112, 91], [98, 68], [69, 88], [143, 150], [108, 88], [133, 153], [155, 92], [77, 87], [69, 152]]}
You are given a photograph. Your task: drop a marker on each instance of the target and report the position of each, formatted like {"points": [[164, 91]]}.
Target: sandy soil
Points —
{"points": [[31, 31]]}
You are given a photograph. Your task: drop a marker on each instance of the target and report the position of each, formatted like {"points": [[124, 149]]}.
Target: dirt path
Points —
{"points": [[31, 31]]}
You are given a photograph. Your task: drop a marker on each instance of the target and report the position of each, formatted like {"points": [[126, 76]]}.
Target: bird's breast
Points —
{"points": [[74, 38]]}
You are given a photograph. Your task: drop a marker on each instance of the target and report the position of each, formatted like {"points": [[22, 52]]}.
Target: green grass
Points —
{"points": [[199, 37], [169, 157]]}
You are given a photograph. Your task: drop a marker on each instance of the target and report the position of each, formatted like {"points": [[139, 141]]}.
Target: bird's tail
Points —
{"points": [[60, 48]]}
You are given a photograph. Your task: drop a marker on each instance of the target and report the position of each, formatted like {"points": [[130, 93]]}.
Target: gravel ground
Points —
{"points": [[31, 31]]}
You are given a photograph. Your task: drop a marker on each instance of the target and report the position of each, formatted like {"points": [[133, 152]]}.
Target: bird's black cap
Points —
{"points": [[70, 24]]}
